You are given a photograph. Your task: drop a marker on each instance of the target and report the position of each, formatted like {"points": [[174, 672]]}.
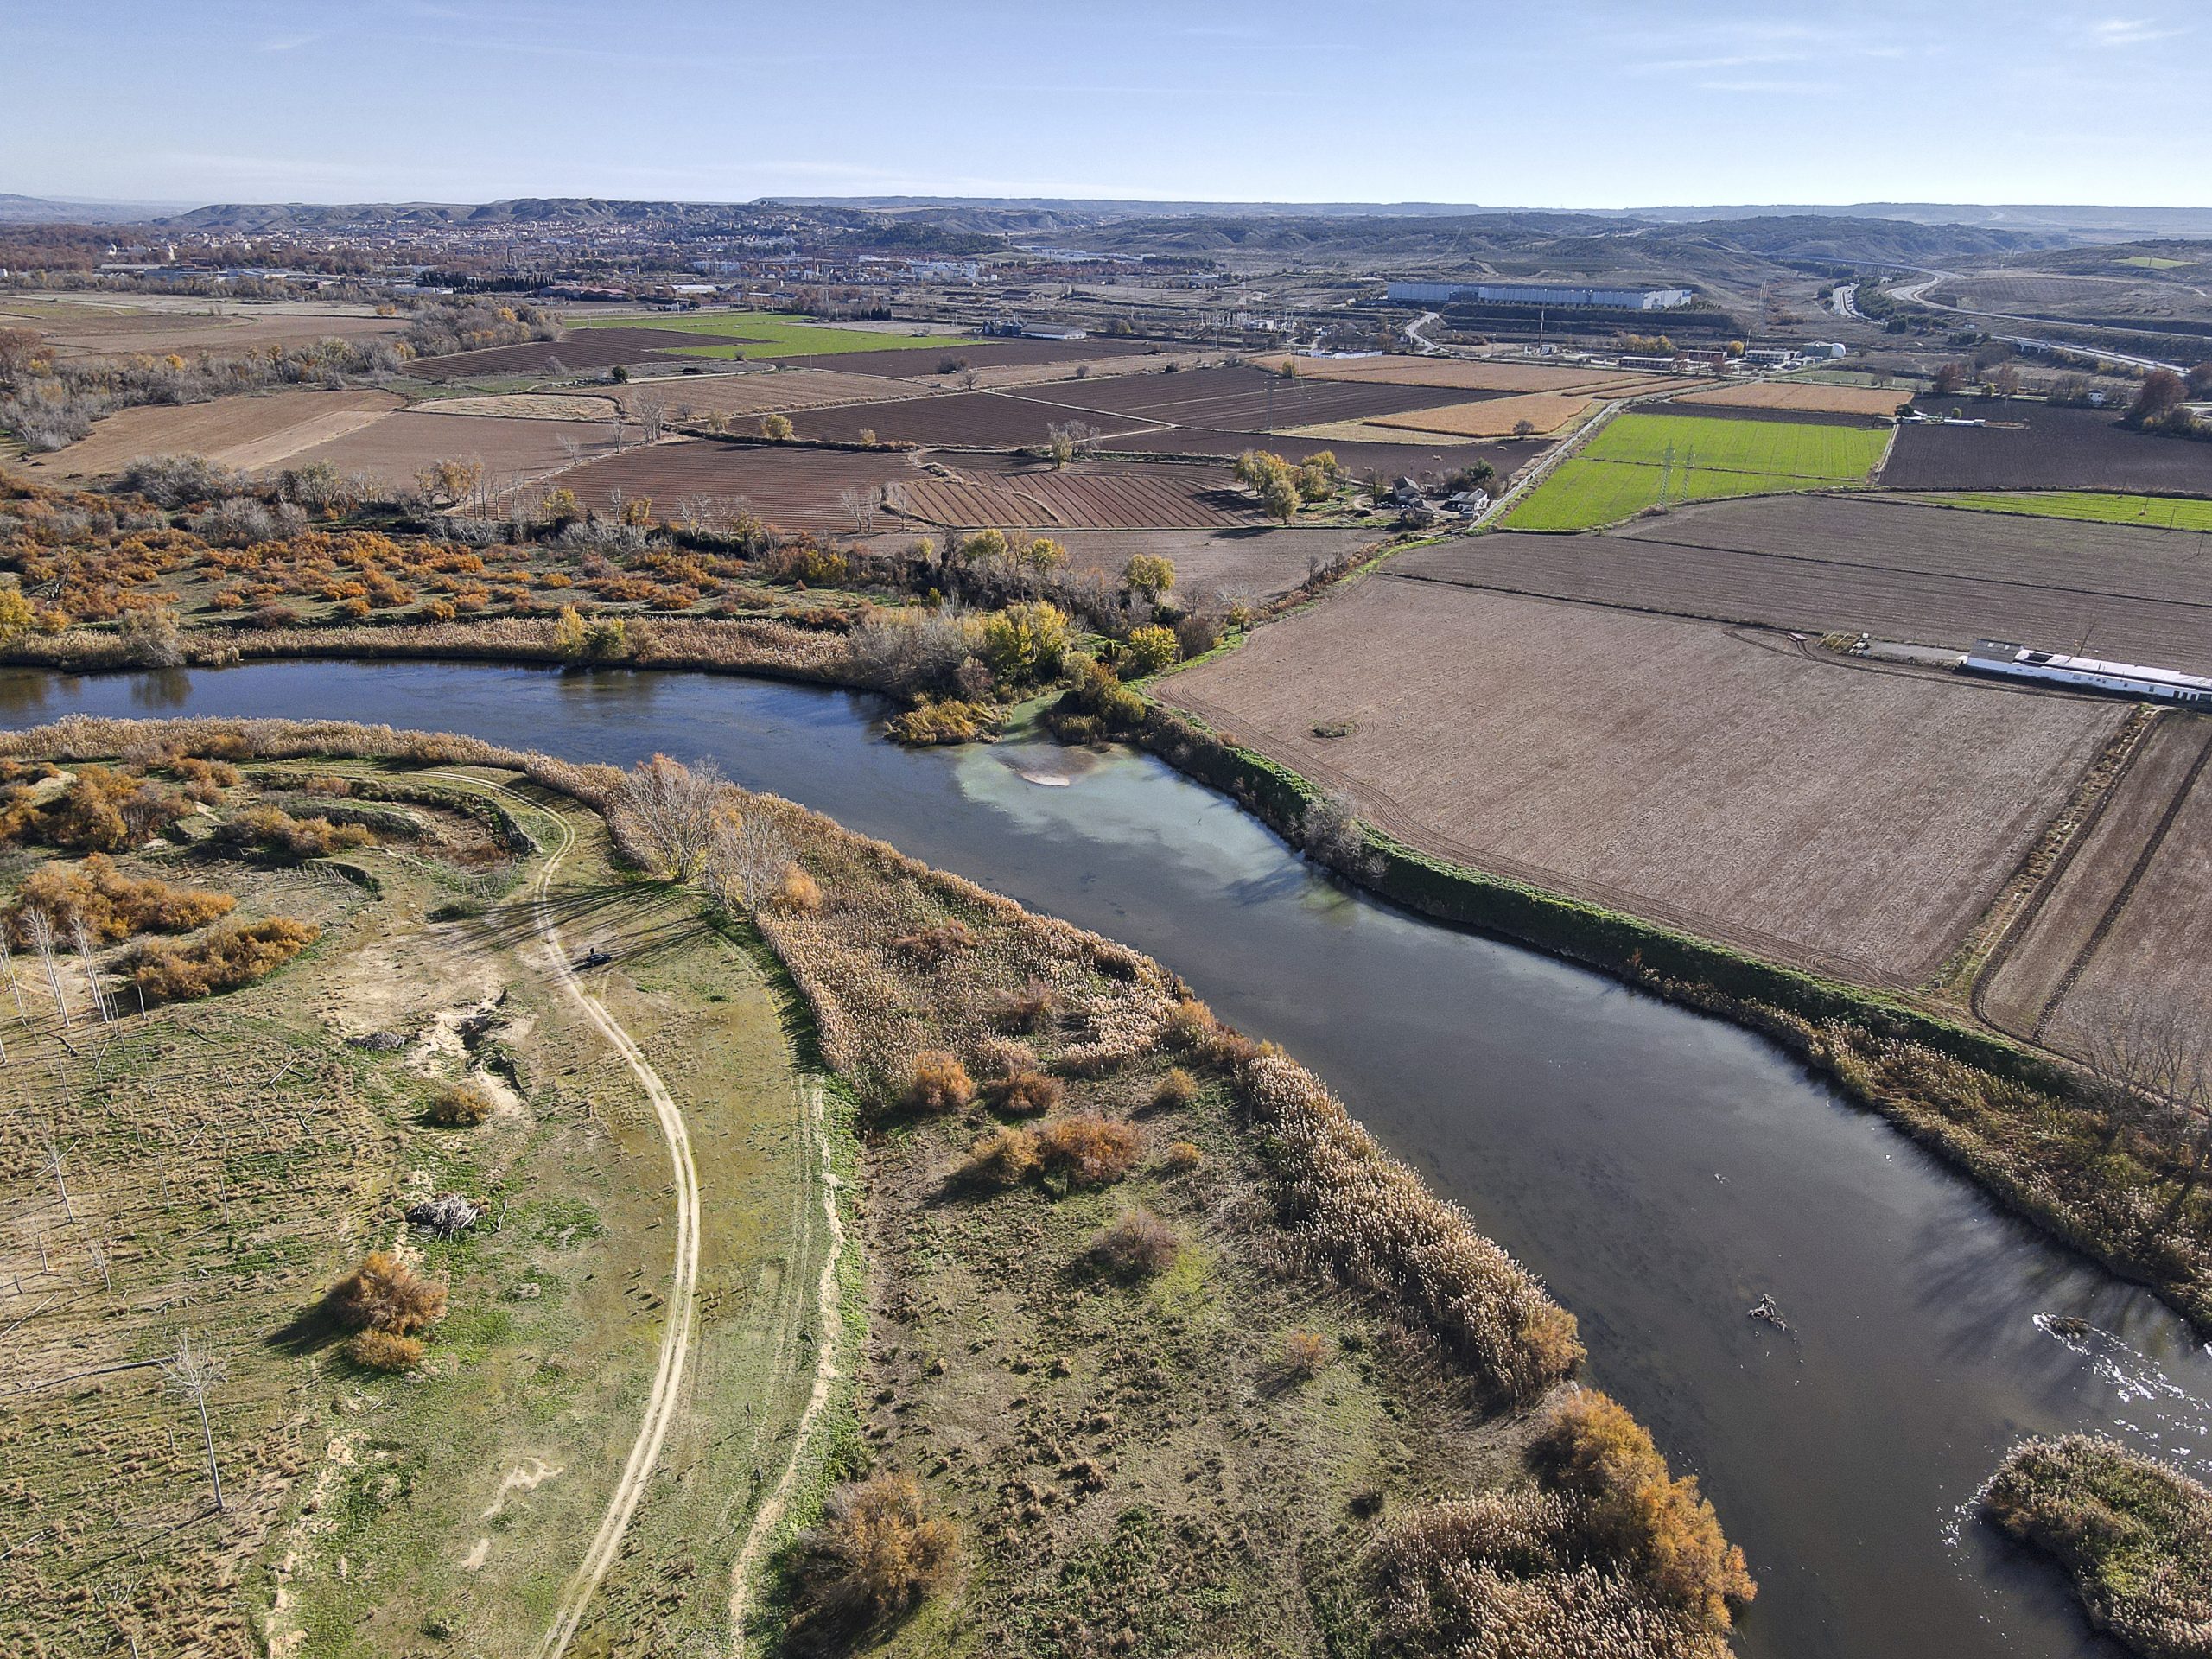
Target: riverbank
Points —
{"points": [[2031, 1128], [1176, 1271]]}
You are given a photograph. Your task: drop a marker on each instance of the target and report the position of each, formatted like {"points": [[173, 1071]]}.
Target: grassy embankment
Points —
{"points": [[766, 333], [2093, 507], [2135, 1537], [2029, 1129], [227, 1159], [1172, 1352], [1642, 460]]}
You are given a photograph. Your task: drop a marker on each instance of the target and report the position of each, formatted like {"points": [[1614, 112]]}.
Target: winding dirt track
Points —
{"points": [[677, 1339]]}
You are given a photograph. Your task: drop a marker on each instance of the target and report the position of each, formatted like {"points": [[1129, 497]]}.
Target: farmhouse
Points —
{"points": [[1630, 299], [2016, 662]]}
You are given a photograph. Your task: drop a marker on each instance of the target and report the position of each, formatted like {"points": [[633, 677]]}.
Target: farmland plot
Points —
{"points": [[1468, 374], [1804, 807], [394, 447], [242, 432], [2028, 446], [1238, 399], [793, 489], [1872, 564], [1642, 460], [1803, 396], [1163, 499], [990, 419]]}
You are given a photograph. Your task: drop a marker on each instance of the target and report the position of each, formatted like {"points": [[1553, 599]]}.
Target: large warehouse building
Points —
{"points": [[1619, 299]]}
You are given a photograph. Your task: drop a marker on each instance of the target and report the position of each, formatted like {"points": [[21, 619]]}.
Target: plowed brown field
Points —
{"points": [[1492, 418], [1932, 575], [248, 433], [795, 489], [1808, 808], [1472, 374], [1105, 500]]}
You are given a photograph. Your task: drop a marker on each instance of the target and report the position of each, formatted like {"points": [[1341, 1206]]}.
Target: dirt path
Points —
{"points": [[677, 1340], [771, 1513]]}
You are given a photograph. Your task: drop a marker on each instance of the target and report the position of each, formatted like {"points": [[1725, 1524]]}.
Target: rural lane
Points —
{"points": [[676, 1339]]}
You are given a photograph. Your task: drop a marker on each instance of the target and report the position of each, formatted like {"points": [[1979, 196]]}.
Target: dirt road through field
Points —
{"points": [[676, 1339]]}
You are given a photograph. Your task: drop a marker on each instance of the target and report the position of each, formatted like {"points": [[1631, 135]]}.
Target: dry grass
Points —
{"points": [[381, 1350], [1808, 397]]}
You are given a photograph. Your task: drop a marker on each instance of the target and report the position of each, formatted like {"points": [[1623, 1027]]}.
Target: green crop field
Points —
{"points": [[2097, 506], [768, 334], [2152, 262], [1644, 460]]}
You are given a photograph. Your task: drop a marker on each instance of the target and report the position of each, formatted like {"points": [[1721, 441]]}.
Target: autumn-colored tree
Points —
{"points": [[2162, 393], [1149, 573]]}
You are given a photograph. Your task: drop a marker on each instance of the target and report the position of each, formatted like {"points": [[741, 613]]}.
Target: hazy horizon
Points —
{"points": [[1577, 106]]}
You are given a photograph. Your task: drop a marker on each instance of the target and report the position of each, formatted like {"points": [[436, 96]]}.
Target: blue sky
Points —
{"points": [[1549, 103]]}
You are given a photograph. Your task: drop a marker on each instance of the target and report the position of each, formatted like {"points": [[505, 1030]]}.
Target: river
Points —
{"points": [[1660, 1170]]}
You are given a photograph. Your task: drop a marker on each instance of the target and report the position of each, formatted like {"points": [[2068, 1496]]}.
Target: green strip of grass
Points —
{"points": [[1643, 460], [767, 333], [2095, 506]]}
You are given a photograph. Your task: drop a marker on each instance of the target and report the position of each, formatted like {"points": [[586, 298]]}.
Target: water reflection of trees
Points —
{"points": [[23, 691], [160, 687]]}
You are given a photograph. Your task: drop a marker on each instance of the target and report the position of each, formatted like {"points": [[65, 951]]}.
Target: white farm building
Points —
{"points": [[2130, 679]]}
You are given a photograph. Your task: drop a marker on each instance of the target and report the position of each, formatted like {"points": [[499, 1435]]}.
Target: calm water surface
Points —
{"points": [[1661, 1171]]}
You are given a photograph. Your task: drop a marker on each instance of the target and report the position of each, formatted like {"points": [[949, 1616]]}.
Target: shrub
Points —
{"points": [[1149, 651], [877, 1551], [230, 957], [1178, 1089], [1088, 1150], [1003, 1157], [386, 1294], [2135, 1535], [797, 891], [1633, 1511], [280, 836], [1027, 1094], [381, 1350], [459, 1106], [1033, 1008], [777, 429], [939, 1083], [1025, 642], [932, 946], [1136, 1245], [1189, 1025], [951, 720], [151, 638], [1149, 573], [1182, 1157], [111, 905], [102, 811], [1303, 1353]]}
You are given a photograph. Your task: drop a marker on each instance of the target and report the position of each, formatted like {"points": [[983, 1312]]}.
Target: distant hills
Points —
{"points": [[1018, 214]]}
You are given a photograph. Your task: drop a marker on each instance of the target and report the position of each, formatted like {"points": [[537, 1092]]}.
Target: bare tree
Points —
{"points": [[40, 927], [859, 507], [191, 1371], [1063, 441], [744, 863], [2153, 1054], [650, 409], [672, 812], [82, 938], [8, 968]]}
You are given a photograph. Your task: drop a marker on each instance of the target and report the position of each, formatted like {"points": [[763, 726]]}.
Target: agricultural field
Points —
{"points": [[756, 333], [454, 1478], [538, 358], [1808, 808], [1240, 399], [1542, 412], [1642, 460], [95, 326], [2032, 446], [1848, 564], [1804, 397], [243, 432], [1220, 564], [795, 489], [1101, 496], [2091, 506], [393, 448], [2126, 915], [982, 419], [752, 393], [984, 354]]}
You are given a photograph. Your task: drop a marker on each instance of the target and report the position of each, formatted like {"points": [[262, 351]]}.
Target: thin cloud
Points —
{"points": [[2130, 31]]}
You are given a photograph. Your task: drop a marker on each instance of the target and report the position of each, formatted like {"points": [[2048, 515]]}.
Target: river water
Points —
{"points": [[1660, 1170]]}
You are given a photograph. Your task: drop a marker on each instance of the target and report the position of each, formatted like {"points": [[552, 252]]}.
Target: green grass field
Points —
{"points": [[1644, 460], [2096, 506], [777, 335]]}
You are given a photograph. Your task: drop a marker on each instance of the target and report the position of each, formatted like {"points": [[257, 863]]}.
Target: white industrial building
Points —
{"points": [[1619, 299]]}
